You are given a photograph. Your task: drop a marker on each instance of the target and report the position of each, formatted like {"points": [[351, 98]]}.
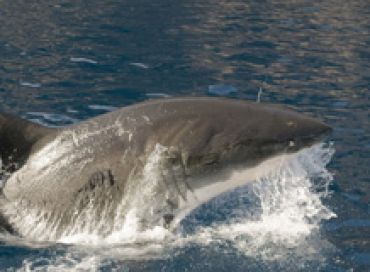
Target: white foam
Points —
{"points": [[30, 84], [291, 208], [140, 65], [41, 117], [65, 263], [84, 60]]}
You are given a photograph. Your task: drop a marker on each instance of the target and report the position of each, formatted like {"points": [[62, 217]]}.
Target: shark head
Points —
{"points": [[250, 134], [221, 144]]}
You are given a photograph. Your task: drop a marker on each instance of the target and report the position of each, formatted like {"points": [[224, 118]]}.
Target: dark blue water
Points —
{"points": [[64, 61]]}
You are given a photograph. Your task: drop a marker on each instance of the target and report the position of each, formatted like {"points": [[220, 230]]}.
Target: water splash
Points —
{"points": [[290, 209]]}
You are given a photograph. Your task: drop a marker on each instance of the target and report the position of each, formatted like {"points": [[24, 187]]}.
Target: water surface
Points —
{"points": [[64, 61]]}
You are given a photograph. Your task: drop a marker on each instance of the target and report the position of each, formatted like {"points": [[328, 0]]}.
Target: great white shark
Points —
{"points": [[166, 156]]}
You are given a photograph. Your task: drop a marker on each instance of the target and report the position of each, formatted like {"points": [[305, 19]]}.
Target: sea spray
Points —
{"points": [[290, 209]]}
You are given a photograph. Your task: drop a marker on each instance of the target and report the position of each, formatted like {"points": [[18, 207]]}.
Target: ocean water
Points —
{"points": [[67, 61]]}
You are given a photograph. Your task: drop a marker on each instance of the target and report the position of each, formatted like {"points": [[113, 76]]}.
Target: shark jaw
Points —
{"points": [[209, 187]]}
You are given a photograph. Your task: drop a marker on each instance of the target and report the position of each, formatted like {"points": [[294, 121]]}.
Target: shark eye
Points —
{"points": [[210, 159]]}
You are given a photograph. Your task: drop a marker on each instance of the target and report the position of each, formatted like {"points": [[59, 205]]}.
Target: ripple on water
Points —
{"points": [[222, 90], [30, 84], [102, 107], [83, 60], [50, 119], [140, 65], [351, 223]]}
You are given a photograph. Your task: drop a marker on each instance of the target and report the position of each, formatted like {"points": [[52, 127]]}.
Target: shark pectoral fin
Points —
{"points": [[18, 137]]}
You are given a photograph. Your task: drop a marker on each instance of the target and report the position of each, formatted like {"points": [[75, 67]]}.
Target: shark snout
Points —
{"points": [[324, 129], [308, 131]]}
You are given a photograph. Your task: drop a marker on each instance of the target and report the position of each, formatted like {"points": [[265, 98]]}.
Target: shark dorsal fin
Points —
{"points": [[17, 138]]}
